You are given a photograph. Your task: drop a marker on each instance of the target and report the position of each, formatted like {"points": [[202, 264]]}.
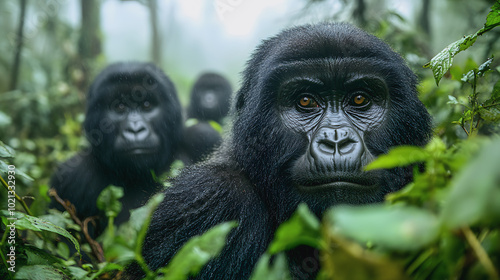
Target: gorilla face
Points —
{"points": [[210, 98], [317, 106], [133, 118], [334, 114]]}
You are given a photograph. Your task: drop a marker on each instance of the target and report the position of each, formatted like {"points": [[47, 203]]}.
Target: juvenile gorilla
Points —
{"points": [[133, 123], [317, 103], [210, 101]]}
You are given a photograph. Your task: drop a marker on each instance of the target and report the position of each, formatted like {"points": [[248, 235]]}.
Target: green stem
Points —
{"points": [[481, 254], [18, 198]]}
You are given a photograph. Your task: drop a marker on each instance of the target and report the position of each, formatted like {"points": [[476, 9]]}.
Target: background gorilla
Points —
{"points": [[210, 98], [317, 103], [210, 101], [133, 123]]}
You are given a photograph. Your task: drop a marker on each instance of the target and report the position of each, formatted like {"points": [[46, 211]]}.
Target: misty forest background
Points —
{"points": [[445, 225]]}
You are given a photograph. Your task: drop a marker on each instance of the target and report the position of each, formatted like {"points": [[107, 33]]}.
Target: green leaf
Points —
{"points": [[191, 122], [475, 193], [453, 100], [4, 119], [396, 228], [215, 125], [4, 167], [106, 267], [26, 222], [40, 272], [493, 18], [265, 270], [490, 114], [496, 91], [36, 256], [399, 156], [197, 252], [47, 226], [108, 201], [6, 151], [303, 228], [441, 63]]}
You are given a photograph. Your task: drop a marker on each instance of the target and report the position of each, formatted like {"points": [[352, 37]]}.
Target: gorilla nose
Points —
{"points": [[135, 131], [337, 141]]}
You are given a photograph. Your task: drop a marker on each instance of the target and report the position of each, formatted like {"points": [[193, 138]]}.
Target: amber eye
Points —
{"points": [[359, 100], [307, 102]]}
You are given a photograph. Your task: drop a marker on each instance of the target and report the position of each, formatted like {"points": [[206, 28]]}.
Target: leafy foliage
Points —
{"points": [[444, 225]]}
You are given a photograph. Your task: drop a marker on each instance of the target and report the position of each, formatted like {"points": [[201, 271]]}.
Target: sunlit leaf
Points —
{"points": [[475, 192], [399, 156], [441, 63], [493, 18], [6, 151], [40, 272], [303, 228], [347, 260], [394, 228], [197, 252], [26, 222], [265, 270]]}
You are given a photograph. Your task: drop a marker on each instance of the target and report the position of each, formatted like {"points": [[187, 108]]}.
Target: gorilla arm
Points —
{"points": [[202, 197]]}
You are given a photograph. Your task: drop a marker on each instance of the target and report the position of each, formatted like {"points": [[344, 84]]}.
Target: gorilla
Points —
{"points": [[210, 101], [210, 98], [317, 103], [133, 123]]}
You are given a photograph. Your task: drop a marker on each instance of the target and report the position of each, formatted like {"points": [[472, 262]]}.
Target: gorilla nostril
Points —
{"points": [[346, 146], [327, 146]]}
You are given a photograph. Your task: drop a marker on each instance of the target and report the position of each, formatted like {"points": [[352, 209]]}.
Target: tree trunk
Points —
{"points": [[89, 44], [155, 35], [90, 41], [424, 17], [16, 65]]}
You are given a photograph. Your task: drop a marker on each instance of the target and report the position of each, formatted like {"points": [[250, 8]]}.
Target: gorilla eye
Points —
{"points": [[359, 100], [307, 102], [146, 105], [120, 107]]}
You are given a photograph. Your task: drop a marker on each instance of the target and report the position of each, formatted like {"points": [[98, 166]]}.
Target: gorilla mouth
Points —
{"points": [[362, 181], [140, 151]]}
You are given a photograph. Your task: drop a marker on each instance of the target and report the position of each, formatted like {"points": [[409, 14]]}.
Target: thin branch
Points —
{"points": [[491, 105], [70, 208]]}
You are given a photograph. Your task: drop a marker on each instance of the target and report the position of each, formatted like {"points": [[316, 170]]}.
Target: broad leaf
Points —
{"points": [[303, 228], [277, 270], [391, 227], [398, 157], [475, 192], [197, 252]]}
